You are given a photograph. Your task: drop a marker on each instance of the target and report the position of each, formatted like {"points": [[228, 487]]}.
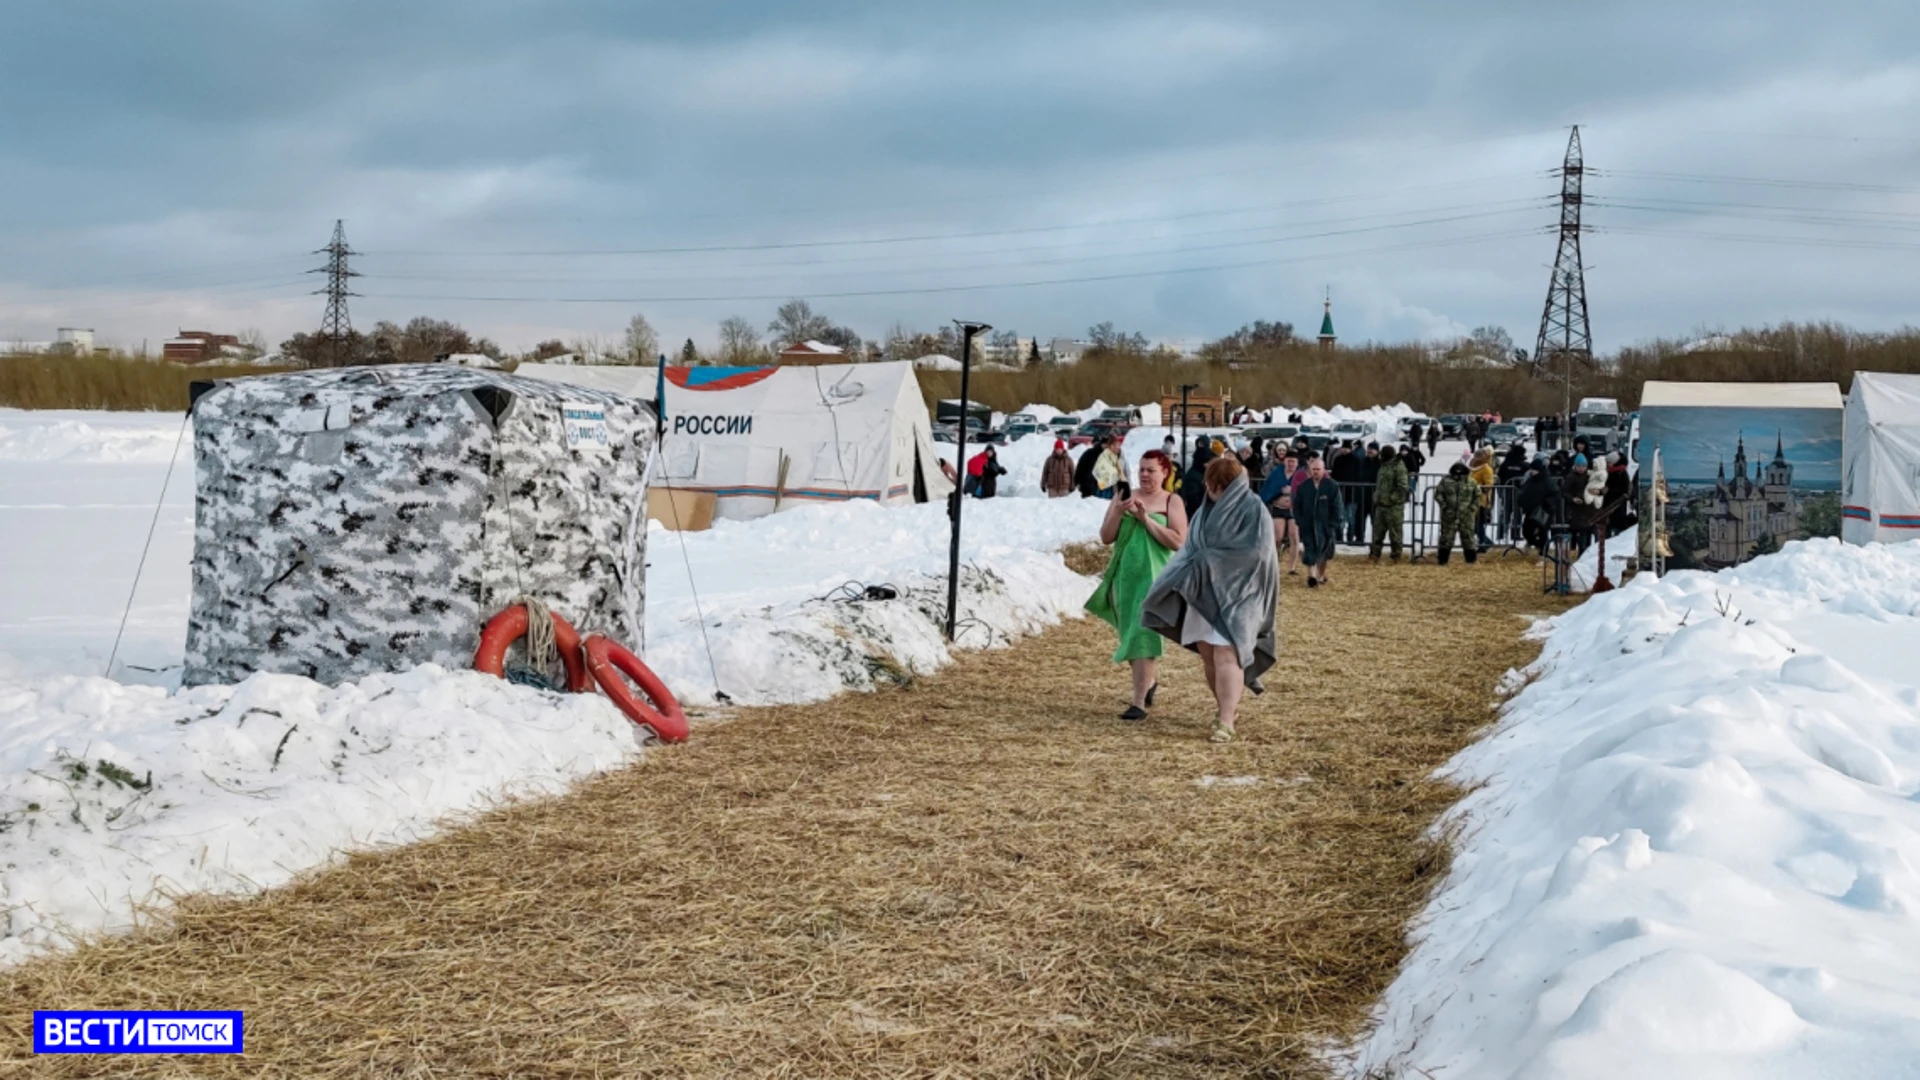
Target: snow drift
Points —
{"points": [[116, 796], [1689, 849]]}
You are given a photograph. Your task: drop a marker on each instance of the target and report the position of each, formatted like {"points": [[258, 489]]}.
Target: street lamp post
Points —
{"points": [[968, 331], [1185, 389]]}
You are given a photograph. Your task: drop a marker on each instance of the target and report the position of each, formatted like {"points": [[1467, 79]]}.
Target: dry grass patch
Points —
{"points": [[982, 874]]}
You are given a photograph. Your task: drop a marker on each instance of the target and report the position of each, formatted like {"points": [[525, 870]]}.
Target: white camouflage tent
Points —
{"points": [[764, 438], [1880, 493]]}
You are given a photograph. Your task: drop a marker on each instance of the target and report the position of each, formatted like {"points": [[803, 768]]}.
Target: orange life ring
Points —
{"points": [[510, 626], [607, 661]]}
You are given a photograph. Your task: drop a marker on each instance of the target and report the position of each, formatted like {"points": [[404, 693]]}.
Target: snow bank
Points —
{"points": [[112, 796], [232, 788], [1692, 845], [783, 626], [90, 437]]}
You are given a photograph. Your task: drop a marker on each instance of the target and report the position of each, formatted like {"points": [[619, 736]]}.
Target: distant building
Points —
{"points": [[1747, 510], [200, 346], [1067, 350], [813, 352], [1327, 339], [74, 340]]}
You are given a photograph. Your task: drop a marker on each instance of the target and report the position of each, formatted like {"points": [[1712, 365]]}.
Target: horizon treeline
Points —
{"points": [[1261, 365]]}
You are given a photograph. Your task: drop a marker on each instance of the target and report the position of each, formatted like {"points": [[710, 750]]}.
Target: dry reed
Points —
{"points": [[984, 874], [35, 381]]}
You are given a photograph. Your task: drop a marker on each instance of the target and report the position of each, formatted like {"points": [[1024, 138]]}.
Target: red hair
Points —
{"points": [[1159, 457]]}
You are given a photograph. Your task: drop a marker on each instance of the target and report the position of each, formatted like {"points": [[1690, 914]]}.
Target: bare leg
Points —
{"points": [[1143, 679], [1293, 545], [1223, 671]]}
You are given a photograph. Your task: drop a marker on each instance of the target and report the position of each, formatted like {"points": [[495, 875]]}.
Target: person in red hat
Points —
{"points": [[1056, 476]]}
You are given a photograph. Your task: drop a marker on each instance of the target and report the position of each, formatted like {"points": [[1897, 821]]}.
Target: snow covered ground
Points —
{"points": [[115, 793], [1691, 847]]}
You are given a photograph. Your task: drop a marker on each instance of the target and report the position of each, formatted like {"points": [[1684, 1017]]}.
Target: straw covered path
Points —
{"points": [[981, 874]]}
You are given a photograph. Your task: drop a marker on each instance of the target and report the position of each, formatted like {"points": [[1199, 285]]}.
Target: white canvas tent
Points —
{"points": [[1880, 493], [765, 438]]}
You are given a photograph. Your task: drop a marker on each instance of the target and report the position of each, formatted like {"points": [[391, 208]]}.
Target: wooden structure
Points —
{"points": [[1202, 410]]}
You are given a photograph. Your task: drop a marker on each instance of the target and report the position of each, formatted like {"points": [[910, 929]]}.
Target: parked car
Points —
{"points": [[1020, 425], [1271, 432], [1353, 429], [1453, 426], [1064, 424], [1317, 438], [1405, 424], [1094, 429], [1501, 436]]}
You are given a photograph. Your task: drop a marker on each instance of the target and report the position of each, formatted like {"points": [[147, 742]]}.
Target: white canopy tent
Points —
{"points": [[1880, 493], [763, 438]]}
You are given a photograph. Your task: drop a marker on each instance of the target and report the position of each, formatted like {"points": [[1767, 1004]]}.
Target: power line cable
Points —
{"points": [[972, 287], [1001, 265], [880, 240]]}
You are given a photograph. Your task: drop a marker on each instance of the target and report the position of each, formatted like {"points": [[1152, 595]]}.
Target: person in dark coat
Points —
{"points": [[1573, 495], [1193, 485], [1345, 468], [1433, 438], [1321, 515], [983, 474], [1362, 514], [1083, 471], [1513, 469], [1415, 460], [1621, 512], [1416, 432], [1537, 504]]}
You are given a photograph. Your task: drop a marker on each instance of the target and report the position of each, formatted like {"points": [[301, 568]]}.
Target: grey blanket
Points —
{"points": [[1229, 572]]}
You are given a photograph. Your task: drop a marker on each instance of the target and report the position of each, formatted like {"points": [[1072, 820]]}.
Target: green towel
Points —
{"points": [[1136, 561]]}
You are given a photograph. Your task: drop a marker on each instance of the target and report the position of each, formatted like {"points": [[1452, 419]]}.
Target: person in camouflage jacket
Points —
{"points": [[1459, 500], [1390, 502]]}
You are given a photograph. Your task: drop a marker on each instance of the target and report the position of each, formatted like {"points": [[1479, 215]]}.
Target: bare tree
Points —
{"points": [[739, 342], [795, 322], [642, 344], [254, 342]]}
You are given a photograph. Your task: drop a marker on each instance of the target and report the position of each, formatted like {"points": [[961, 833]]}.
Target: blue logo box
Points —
{"points": [[114, 1031]]}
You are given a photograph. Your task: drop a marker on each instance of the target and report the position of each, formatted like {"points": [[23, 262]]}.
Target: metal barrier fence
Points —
{"points": [[1499, 526]]}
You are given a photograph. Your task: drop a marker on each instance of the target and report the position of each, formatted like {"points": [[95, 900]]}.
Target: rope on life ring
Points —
{"points": [[510, 625], [607, 661]]}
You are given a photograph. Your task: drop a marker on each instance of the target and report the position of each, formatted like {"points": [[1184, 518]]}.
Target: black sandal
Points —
{"points": [[1134, 712], [1152, 690]]}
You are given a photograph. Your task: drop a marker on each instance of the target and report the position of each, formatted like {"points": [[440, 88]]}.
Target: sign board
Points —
{"points": [[586, 425]]}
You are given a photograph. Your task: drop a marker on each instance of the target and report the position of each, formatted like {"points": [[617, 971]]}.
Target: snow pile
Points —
{"points": [[237, 787], [118, 795], [90, 437], [784, 627], [1692, 846]]}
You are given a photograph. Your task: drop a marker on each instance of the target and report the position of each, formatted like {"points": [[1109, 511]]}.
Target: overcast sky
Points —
{"points": [[1039, 165]]}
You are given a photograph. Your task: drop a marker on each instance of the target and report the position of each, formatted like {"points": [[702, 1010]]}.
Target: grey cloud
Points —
{"points": [[156, 150]]}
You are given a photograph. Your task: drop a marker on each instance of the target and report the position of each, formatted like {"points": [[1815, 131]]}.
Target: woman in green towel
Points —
{"points": [[1145, 528]]}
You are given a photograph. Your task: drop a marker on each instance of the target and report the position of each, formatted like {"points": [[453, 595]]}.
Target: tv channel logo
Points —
{"points": [[85, 1031]]}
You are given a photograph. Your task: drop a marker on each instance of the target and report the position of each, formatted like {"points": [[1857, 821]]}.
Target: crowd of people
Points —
{"points": [[1186, 565]]}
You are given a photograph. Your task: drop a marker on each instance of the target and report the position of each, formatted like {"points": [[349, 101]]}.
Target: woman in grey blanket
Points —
{"points": [[1217, 594]]}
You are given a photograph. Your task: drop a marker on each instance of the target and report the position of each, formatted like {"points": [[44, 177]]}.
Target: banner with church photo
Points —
{"points": [[1742, 479]]}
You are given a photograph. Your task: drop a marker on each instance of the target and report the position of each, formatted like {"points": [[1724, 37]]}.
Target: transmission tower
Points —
{"points": [[1564, 333], [335, 326]]}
